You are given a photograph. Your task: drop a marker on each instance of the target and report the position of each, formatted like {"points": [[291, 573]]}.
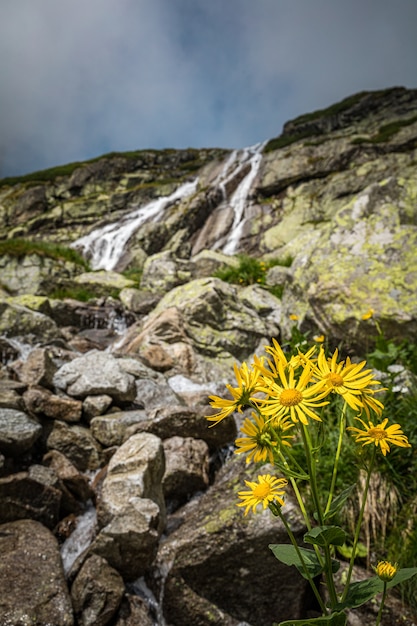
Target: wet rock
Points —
{"points": [[40, 401], [32, 580], [73, 480], [37, 369], [96, 592], [131, 507], [96, 373], [18, 432], [134, 611], [213, 543], [34, 494], [186, 468], [76, 443]]}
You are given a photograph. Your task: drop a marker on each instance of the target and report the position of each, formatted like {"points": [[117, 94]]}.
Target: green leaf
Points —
{"points": [[364, 590], [326, 536], [346, 551], [335, 619], [286, 553], [402, 575], [339, 501]]}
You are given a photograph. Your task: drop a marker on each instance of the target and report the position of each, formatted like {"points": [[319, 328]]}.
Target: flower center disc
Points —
{"points": [[290, 397], [335, 379], [377, 433], [261, 491]]}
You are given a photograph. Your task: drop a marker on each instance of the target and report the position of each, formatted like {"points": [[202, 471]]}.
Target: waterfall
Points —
{"points": [[104, 246], [239, 199]]}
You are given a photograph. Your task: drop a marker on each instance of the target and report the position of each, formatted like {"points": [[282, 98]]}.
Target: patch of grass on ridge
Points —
{"points": [[251, 271], [22, 247], [386, 131]]}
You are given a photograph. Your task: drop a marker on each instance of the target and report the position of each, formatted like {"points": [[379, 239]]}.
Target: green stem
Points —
{"points": [[311, 464], [358, 525], [297, 493], [342, 424], [384, 595], [300, 556]]}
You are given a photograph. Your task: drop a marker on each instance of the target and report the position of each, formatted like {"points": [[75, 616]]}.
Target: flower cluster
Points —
{"points": [[292, 402], [286, 393]]}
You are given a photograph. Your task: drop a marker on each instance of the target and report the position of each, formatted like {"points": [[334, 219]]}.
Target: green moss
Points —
{"points": [[22, 247]]}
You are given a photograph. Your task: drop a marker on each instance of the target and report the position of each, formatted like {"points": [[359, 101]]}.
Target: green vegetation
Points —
{"points": [[22, 247], [386, 131], [252, 271], [335, 109], [52, 173], [391, 522], [190, 163], [133, 273], [286, 140], [82, 294]]}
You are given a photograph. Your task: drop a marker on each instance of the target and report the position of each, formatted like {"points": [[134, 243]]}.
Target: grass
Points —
{"points": [[81, 294], [386, 132], [22, 247], [251, 271]]}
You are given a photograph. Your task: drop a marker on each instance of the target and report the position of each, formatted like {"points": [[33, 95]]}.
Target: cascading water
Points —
{"points": [[239, 199], [104, 246]]}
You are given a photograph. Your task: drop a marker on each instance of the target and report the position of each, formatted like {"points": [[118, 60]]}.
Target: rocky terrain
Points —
{"points": [[117, 502]]}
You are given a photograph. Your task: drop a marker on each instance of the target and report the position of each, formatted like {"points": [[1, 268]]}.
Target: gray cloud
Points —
{"points": [[82, 78]]}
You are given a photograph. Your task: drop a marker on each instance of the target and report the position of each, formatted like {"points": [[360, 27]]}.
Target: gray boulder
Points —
{"points": [[96, 373], [18, 432]]}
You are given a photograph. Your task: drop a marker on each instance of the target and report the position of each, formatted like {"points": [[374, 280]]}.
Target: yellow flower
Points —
{"points": [[368, 314], [386, 570], [293, 317], [346, 379], [380, 435], [319, 338], [288, 397], [278, 357], [266, 490], [261, 439], [248, 381]]}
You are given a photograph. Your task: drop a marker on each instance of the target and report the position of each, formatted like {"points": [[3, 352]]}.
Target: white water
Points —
{"points": [[80, 538], [239, 199], [104, 246]]}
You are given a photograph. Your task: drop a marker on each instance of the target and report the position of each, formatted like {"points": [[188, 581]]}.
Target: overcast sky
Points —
{"points": [[79, 78]]}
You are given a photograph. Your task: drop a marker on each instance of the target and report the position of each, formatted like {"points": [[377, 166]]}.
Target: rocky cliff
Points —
{"points": [[107, 360]]}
